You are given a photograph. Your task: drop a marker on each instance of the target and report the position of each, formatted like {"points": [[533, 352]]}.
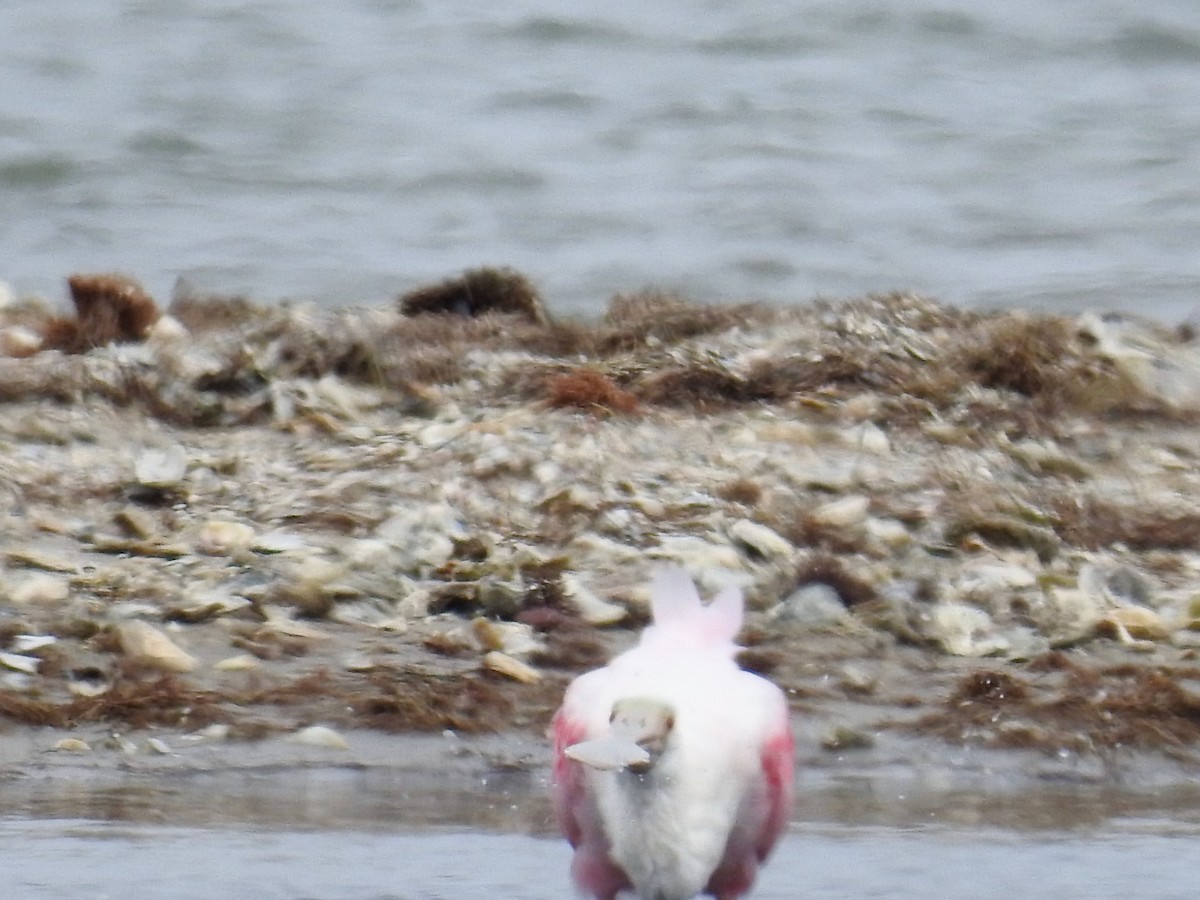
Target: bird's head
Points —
{"points": [[638, 731]]}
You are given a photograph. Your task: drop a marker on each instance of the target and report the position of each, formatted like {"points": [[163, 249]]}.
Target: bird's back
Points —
{"points": [[713, 805]]}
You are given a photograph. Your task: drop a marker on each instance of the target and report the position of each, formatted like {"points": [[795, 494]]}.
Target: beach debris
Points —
{"points": [[589, 390], [118, 741], [512, 638], [592, 608], [855, 679], [814, 605], [844, 513], [964, 630], [206, 605], [40, 589], [279, 621], [1137, 627], [1152, 366], [158, 745], [161, 467], [71, 745], [20, 662], [88, 688], [146, 645], [218, 731], [841, 738], [510, 667], [28, 643], [422, 535], [19, 341], [242, 662], [760, 540], [35, 559], [220, 537], [109, 308], [476, 292], [319, 736]]}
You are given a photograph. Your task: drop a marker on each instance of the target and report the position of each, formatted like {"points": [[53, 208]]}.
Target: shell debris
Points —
{"points": [[510, 667], [319, 736], [145, 644]]}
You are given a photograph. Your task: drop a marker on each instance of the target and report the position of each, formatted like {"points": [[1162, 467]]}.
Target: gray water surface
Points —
{"points": [[1032, 152], [88, 860], [359, 833]]}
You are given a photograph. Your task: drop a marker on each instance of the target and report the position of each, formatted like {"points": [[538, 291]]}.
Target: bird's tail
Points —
{"points": [[680, 615]]}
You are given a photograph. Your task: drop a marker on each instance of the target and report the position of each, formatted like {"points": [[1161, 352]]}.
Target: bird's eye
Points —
{"points": [[670, 722], [612, 717]]}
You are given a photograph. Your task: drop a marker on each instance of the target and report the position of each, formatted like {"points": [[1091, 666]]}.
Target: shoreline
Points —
{"points": [[959, 533]]}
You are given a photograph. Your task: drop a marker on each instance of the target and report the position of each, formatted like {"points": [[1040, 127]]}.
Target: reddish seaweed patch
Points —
{"points": [[589, 390], [108, 308]]}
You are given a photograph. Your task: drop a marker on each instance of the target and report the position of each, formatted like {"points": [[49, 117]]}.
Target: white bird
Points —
{"points": [[672, 766]]}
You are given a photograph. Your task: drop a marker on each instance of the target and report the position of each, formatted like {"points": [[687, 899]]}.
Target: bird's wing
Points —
{"points": [[572, 803], [777, 769]]}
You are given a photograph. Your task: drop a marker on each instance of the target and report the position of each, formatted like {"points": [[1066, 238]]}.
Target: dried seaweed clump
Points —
{"points": [[131, 700], [200, 313], [1035, 356], [1093, 710], [589, 390], [633, 320], [476, 292], [1093, 524], [109, 309], [702, 387], [827, 569], [469, 703]]}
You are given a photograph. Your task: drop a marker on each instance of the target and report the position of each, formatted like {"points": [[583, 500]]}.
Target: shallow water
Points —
{"points": [[336, 833], [89, 860], [1009, 152]]}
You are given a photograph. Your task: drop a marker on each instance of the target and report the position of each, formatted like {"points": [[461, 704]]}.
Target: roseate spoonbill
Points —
{"points": [[672, 766]]}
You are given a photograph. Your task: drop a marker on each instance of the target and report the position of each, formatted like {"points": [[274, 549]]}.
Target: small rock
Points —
{"points": [[158, 745]]}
